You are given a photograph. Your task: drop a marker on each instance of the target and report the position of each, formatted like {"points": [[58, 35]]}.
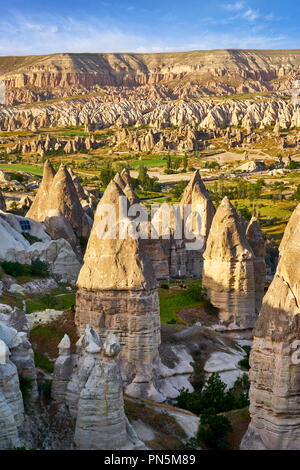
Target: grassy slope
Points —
{"points": [[20, 167], [174, 299]]}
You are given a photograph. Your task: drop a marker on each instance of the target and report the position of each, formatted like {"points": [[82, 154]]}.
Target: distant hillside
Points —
{"points": [[195, 73]]}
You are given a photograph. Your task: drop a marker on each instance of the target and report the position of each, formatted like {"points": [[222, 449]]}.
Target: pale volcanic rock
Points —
{"points": [[117, 291], [57, 205], [130, 194], [95, 396], [228, 271], [119, 180], [40, 202], [63, 199], [157, 76], [256, 241], [83, 195], [11, 402], [198, 212], [156, 250], [125, 174], [57, 253], [275, 373], [63, 370]]}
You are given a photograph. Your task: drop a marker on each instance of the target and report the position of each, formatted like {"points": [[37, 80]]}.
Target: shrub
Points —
{"points": [[13, 268], [213, 430], [49, 300], [39, 268], [178, 189], [43, 362], [25, 386], [31, 238], [213, 396], [244, 364], [164, 285], [83, 242], [172, 321], [46, 390], [195, 292]]}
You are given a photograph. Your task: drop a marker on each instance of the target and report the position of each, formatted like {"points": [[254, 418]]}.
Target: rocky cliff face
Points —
{"points": [[256, 241], [35, 78], [274, 360], [89, 384], [228, 270], [16, 363], [160, 114]]}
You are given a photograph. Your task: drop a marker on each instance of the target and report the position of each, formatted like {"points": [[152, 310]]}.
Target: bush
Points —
{"points": [[30, 238], [25, 386], [178, 189], [172, 321], [39, 268], [195, 292], [49, 300], [213, 430], [213, 396], [83, 242], [164, 285], [43, 362], [244, 364], [14, 268]]}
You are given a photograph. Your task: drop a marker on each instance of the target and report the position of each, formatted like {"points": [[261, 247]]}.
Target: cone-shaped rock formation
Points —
{"points": [[274, 360], [198, 212], [228, 271], [39, 206], [117, 291]]}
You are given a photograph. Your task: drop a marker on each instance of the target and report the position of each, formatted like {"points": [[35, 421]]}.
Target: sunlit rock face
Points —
{"points": [[197, 211], [228, 270], [274, 360], [57, 205], [117, 291], [37, 210]]}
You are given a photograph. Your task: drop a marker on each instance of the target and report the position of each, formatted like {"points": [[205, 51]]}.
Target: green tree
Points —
{"points": [[107, 173], [213, 430], [296, 194], [185, 162]]}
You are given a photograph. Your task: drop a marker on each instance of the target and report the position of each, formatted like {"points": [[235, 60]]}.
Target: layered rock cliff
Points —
{"points": [[34, 78]]}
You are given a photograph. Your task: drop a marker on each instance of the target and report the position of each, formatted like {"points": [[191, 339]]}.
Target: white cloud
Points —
{"points": [[239, 5], [250, 14], [24, 35]]}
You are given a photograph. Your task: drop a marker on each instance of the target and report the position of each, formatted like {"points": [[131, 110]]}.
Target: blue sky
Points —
{"points": [[35, 27]]}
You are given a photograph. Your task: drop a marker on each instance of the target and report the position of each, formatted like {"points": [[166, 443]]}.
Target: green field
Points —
{"points": [[152, 161], [174, 299], [42, 301], [19, 167], [278, 212]]}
